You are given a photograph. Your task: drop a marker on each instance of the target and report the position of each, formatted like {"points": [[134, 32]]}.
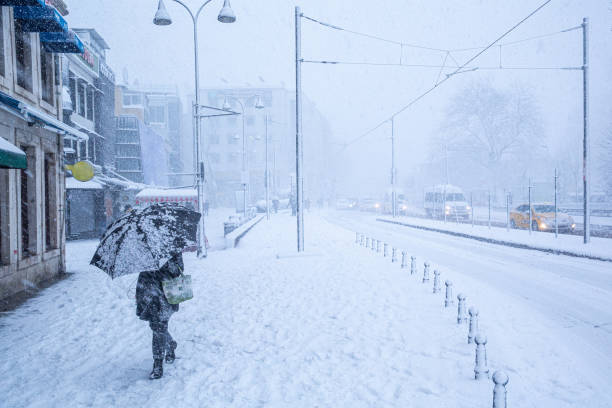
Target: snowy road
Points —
{"points": [[574, 295], [341, 328]]}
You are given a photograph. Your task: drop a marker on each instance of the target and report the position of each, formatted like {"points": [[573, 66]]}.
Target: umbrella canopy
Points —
{"points": [[145, 239]]}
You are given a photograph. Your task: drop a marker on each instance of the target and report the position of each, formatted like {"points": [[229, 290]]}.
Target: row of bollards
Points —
{"points": [[481, 369]]}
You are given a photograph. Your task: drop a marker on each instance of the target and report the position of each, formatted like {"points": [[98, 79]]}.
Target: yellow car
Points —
{"points": [[542, 218]]}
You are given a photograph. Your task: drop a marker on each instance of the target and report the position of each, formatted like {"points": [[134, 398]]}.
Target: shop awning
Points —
{"points": [[36, 117], [66, 42], [45, 19], [11, 157], [39, 3]]}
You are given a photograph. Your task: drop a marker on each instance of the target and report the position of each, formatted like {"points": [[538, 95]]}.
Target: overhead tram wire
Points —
{"points": [[448, 76], [433, 66]]}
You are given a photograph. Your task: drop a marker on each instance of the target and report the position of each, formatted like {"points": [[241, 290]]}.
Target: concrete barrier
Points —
{"points": [[232, 239]]}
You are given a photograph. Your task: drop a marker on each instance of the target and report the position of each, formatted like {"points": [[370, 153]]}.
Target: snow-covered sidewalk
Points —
{"points": [[342, 328]]}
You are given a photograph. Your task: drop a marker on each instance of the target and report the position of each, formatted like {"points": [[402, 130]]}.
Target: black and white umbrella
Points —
{"points": [[145, 239]]}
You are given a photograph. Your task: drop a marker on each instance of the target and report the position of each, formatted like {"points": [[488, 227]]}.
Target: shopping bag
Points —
{"points": [[178, 290]]}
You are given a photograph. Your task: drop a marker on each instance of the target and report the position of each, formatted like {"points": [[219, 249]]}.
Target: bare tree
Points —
{"points": [[492, 131]]}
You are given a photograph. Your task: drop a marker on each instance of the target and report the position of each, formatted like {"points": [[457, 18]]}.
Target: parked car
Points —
{"points": [[542, 218], [446, 200]]}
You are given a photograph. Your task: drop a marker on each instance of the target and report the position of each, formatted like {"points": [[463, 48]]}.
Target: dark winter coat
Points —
{"points": [[151, 303]]}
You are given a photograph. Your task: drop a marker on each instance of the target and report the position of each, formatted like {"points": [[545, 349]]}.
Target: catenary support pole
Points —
{"points": [[267, 175], [393, 170], [298, 130], [530, 214], [556, 220], [585, 122]]}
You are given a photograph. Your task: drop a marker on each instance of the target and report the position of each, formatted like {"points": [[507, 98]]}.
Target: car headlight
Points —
{"points": [[543, 225], [376, 205], [448, 207], [467, 207], [573, 226], [404, 207]]}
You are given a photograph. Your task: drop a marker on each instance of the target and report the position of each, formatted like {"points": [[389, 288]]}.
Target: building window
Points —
{"points": [[50, 202], [157, 114], [46, 75], [29, 223], [126, 151], [73, 90], [23, 52], [2, 57], [232, 138], [81, 98], [5, 242], [132, 100], [90, 103], [250, 120]]}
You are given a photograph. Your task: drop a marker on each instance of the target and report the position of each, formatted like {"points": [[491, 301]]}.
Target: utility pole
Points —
{"points": [[393, 170], [529, 188], [298, 130], [585, 140], [556, 222], [267, 175]]}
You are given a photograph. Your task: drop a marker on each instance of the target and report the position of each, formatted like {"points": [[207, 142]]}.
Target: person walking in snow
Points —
{"points": [[152, 306]]}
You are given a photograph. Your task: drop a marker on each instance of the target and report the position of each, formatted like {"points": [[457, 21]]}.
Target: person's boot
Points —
{"points": [[158, 369], [170, 356]]}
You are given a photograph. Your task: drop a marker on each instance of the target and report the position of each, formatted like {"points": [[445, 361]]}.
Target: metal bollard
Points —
{"points": [[473, 324], [449, 294], [373, 244], [404, 257], [367, 242], [385, 249], [500, 379], [356, 237], [412, 265], [426, 272], [481, 370], [362, 240], [394, 255], [436, 287], [378, 245], [461, 315]]}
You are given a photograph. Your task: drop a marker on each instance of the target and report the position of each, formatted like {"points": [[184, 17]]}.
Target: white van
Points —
{"points": [[446, 200]]}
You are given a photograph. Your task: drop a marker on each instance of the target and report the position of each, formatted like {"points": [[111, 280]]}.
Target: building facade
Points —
{"points": [[32, 238], [223, 145], [159, 108]]}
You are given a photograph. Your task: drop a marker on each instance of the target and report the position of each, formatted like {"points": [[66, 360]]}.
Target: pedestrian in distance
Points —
{"points": [[152, 306], [206, 207]]}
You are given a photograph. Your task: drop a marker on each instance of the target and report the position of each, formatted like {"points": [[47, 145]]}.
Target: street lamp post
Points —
{"points": [[162, 18], [245, 174]]}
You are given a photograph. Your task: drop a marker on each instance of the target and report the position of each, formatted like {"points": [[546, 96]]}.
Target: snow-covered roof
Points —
{"points": [[155, 195], [160, 192], [74, 184]]}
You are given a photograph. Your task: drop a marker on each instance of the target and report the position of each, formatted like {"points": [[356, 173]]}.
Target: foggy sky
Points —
{"points": [[355, 98]]}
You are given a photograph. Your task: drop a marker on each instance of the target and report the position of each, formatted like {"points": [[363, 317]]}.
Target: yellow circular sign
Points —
{"points": [[82, 171]]}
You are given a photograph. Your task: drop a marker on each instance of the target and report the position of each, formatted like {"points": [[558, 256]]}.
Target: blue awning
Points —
{"points": [[35, 117], [44, 19], [22, 2], [65, 42]]}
